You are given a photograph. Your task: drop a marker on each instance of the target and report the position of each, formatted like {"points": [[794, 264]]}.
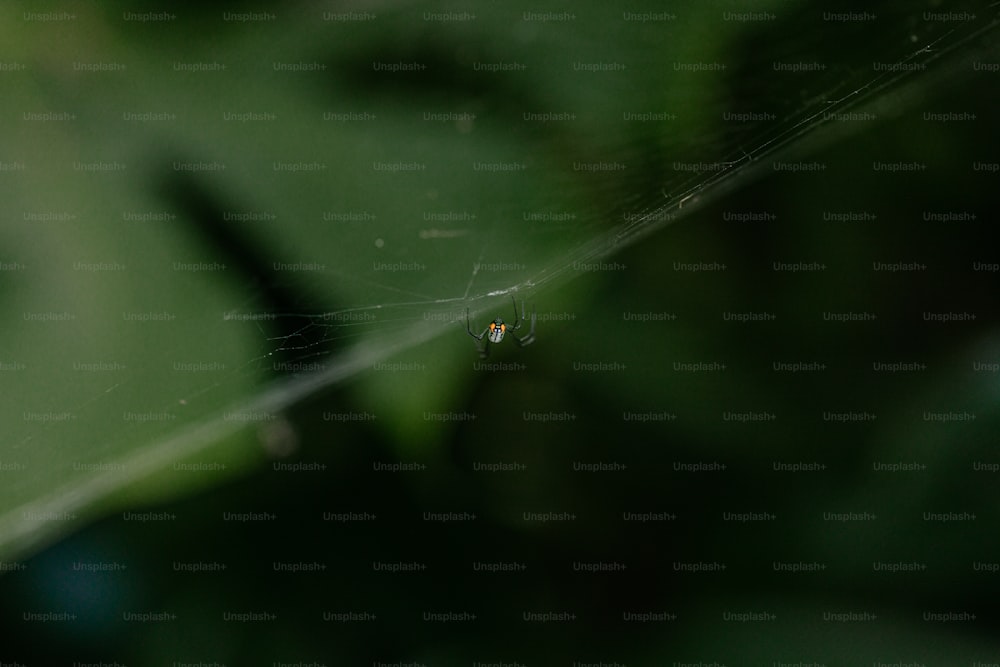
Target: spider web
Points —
{"points": [[352, 243], [529, 248]]}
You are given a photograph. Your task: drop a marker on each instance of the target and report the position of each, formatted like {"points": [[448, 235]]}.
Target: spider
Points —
{"points": [[496, 330]]}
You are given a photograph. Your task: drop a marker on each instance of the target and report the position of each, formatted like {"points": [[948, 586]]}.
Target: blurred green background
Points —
{"points": [[186, 344]]}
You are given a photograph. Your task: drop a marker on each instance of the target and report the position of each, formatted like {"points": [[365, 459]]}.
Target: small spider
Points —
{"points": [[495, 331]]}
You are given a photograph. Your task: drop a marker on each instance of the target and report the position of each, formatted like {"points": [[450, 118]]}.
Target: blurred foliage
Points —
{"points": [[256, 415]]}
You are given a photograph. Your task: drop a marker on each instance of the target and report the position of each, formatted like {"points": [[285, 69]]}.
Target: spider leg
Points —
{"points": [[517, 320], [484, 350], [469, 328], [530, 338]]}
